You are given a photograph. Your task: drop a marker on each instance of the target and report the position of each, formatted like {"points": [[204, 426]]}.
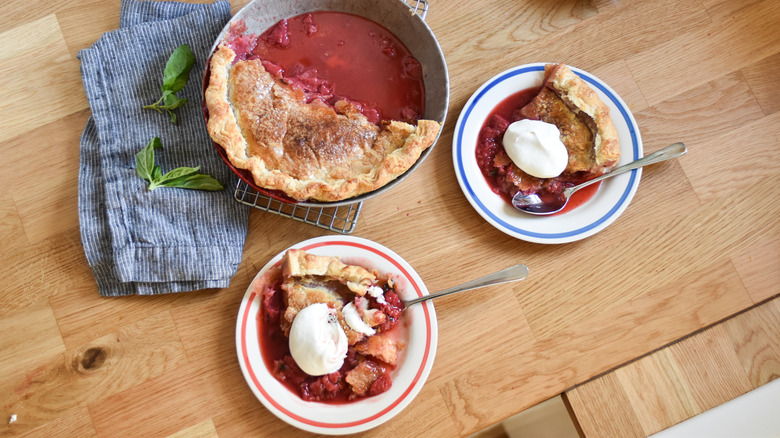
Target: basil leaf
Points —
{"points": [[172, 102], [177, 69], [175, 77], [177, 173], [196, 181], [181, 177], [144, 159]]}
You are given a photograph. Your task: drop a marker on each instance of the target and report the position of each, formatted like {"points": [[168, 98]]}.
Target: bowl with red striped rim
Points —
{"points": [[415, 363]]}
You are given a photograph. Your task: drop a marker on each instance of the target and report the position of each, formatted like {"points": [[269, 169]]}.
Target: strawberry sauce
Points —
{"points": [[336, 56], [497, 169]]}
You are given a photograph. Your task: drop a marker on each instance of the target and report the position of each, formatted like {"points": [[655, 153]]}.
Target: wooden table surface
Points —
{"points": [[698, 243]]}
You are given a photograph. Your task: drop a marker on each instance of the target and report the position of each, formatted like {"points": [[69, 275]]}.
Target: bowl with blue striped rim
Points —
{"points": [[609, 202]]}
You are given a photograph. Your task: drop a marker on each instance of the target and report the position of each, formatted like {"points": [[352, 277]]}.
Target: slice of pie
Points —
{"points": [[586, 128], [308, 150], [366, 306], [587, 131], [308, 279]]}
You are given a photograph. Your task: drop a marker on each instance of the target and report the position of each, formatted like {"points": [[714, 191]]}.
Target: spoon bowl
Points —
{"points": [[536, 205], [512, 273]]}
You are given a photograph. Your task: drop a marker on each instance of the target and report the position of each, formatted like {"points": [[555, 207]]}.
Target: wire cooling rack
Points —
{"points": [[340, 219], [419, 7]]}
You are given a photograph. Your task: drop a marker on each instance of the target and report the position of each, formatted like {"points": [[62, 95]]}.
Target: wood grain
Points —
{"points": [[757, 267], [62, 383], [78, 423], [604, 398], [710, 365], [669, 311], [683, 379], [21, 355], [35, 63], [655, 381], [747, 27], [763, 77], [205, 429], [754, 337]]}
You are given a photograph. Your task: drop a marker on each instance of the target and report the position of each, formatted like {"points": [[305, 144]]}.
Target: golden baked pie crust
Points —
{"points": [[306, 150], [585, 103], [308, 279]]}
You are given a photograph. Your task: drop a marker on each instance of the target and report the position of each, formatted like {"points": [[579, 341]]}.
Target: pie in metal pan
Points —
{"points": [[303, 150]]}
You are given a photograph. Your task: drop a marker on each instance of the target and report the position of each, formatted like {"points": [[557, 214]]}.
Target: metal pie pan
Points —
{"points": [[396, 16]]}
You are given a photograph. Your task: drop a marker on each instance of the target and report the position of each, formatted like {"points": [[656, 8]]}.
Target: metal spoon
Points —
{"points": [[532, 204], [512, 273]]}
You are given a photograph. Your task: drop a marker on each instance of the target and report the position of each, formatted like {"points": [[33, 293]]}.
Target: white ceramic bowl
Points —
{"points": [[408, 378], [607, 204]]}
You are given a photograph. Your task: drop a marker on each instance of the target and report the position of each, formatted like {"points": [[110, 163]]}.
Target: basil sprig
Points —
{"points": [[182, 177], [175, 77]]}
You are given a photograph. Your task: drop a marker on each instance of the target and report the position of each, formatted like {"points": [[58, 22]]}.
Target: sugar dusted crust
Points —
{"points": [[307, 150], [309, 279], [298, 263], [581, 99], [575, 134]]}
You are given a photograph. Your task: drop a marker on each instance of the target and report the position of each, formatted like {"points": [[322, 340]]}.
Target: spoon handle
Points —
{"points": [[512, 273], [664, 154]]}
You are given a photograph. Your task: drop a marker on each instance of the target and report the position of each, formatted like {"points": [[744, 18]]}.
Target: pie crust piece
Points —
{"points": [[300, 264], [308, 279], [566, 101], [309, 151]]}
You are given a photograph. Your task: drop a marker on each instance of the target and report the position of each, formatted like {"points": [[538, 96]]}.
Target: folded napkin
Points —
{"points": [[167, 240]]}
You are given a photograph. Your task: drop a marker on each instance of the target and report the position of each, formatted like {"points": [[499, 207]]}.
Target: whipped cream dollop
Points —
{"points": [[318, 344], [355, 321], [536, 148], [377, 293]]}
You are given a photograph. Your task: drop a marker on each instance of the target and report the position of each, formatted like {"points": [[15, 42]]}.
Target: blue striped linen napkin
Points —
{"points": [[167, 240]]}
